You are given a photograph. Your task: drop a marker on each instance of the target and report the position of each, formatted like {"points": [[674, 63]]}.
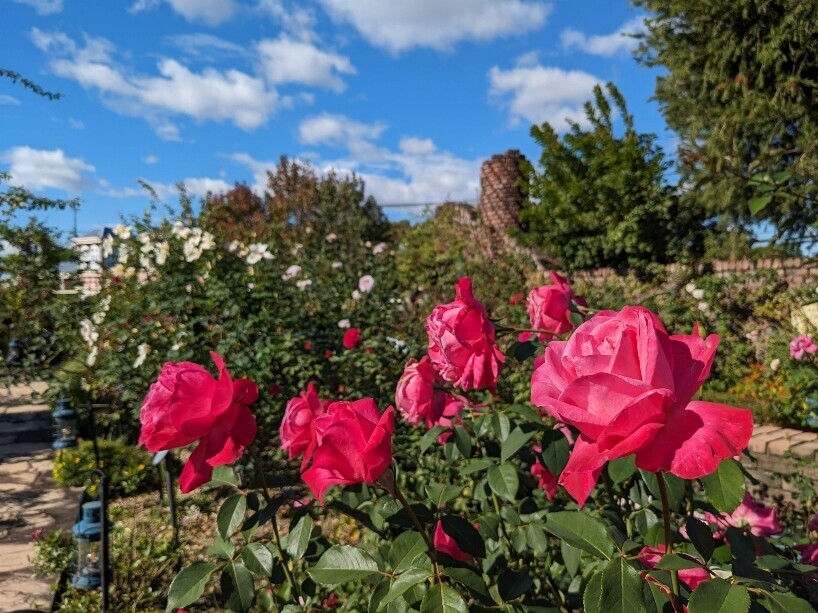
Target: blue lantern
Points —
{"points": [[88, 546], [15, 354], [64, 420]]}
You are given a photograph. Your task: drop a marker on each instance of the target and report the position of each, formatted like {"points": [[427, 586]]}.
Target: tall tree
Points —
{"points": [[600, 199], [739, 86], [237, 214]]}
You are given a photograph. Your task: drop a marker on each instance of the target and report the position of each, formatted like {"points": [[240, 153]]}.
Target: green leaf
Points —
{"points": [[784, 602], [462, 439], [299, 538], [238, 589], [231, 515], [500, 425], [222, 548], [523, 351], [592, 597], [258, 559], [406, 581], [516, 439], [342, 563], [675, 561], [465, 535], [504, 481], [621, 588], [621, 469], [476, 465], [702, 538], [719, 596], [725, 486], [675, 488], [555, 449], [441, 493], [759, 202], [430, 437], [188, 586], [571, 557], [223, 475], [581, 530], [443, 599], [470, 579], [405, 549], [512, 584]]}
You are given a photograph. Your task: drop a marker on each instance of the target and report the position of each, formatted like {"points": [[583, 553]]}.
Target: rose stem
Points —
{"points": [[432, 551], [674, 574], [276, 537]]}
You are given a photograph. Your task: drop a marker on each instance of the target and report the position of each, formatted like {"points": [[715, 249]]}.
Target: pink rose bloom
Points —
{"points": [[297, 431], [812, 526], [547, 481], [354, 445], [352, 337], [461, 342], [188, 404], [416, 390], [446, 544], [692, 577], [549, 307], [366, 283], [809, 553], [760, 520], [801, 345], [627, 386]]}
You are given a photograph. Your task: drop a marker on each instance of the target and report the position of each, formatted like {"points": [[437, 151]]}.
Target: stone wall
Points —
{"points": [[784, 455]]}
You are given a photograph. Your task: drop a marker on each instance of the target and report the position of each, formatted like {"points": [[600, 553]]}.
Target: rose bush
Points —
{"points": [[480, 512]]}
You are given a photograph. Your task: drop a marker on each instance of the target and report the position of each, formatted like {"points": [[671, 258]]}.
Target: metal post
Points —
{"points": [[171, 498], [93, 423], [106, 574]]}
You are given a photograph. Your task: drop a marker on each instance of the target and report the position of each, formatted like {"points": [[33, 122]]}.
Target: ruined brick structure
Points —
{"points": [[500, 195]]}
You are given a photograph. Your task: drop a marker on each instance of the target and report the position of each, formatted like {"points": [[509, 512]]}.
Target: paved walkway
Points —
{"points": [[29, 500]]}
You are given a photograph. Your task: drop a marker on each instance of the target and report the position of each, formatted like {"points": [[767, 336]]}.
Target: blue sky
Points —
{"points": [[412, 96]]}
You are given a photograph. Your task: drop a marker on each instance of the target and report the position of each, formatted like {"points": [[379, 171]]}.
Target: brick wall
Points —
{"points": [[783, 455]]}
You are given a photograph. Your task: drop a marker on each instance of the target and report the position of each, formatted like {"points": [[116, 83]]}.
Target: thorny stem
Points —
{"points": [[430, 546], [674, 574], [285, 559]]}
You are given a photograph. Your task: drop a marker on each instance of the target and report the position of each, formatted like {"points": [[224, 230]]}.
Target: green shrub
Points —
{"points": [[128, 468]]}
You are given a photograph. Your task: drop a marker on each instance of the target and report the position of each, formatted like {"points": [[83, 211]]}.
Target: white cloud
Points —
{"points": [[11, 100], [411, 145], [150, 159], [209, 12], [41, 169], [538, 94], [195, 186], [415, 174], [43, 7], [75, 123], [211, 94], [341, 131], [207, 46], [605, 45], [397, 26], [298, 21], [290, 61]]}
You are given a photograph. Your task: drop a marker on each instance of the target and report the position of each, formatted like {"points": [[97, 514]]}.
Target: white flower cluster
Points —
{"points": [[142, 353], [257, 252], [197, 242], [291, 272], [698, 294]]}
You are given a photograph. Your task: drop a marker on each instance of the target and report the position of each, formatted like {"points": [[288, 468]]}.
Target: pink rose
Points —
{"points": [[547, 481], [352, 337], [627, 386], [297, 431], [549, 307], [759, 519], [188, 404], [692, 577], [801, 345], [809, 553], [812, 525], [461, 342], [446, 544], [416, 390], [354, 445]]}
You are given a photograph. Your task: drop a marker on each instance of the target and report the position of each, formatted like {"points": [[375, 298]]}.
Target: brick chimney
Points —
{"points": [[500, 197]]}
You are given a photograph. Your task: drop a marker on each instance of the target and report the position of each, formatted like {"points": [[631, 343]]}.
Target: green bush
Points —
{"points": [[128, 468]]}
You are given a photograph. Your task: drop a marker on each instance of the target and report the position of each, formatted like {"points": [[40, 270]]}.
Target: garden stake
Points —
{"points": [[93, 424], [171, 498]]}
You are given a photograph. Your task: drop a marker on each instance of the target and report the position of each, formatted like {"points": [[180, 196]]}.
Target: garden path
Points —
{"points": [[29, 499]]}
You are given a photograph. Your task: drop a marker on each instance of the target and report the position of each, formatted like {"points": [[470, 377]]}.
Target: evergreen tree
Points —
{"points": [[599, 199], [739, 88]]}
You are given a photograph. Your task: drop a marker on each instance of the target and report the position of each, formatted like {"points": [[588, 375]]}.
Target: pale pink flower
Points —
{"points": [[759, 519], [366, 283], [801, 345]]}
